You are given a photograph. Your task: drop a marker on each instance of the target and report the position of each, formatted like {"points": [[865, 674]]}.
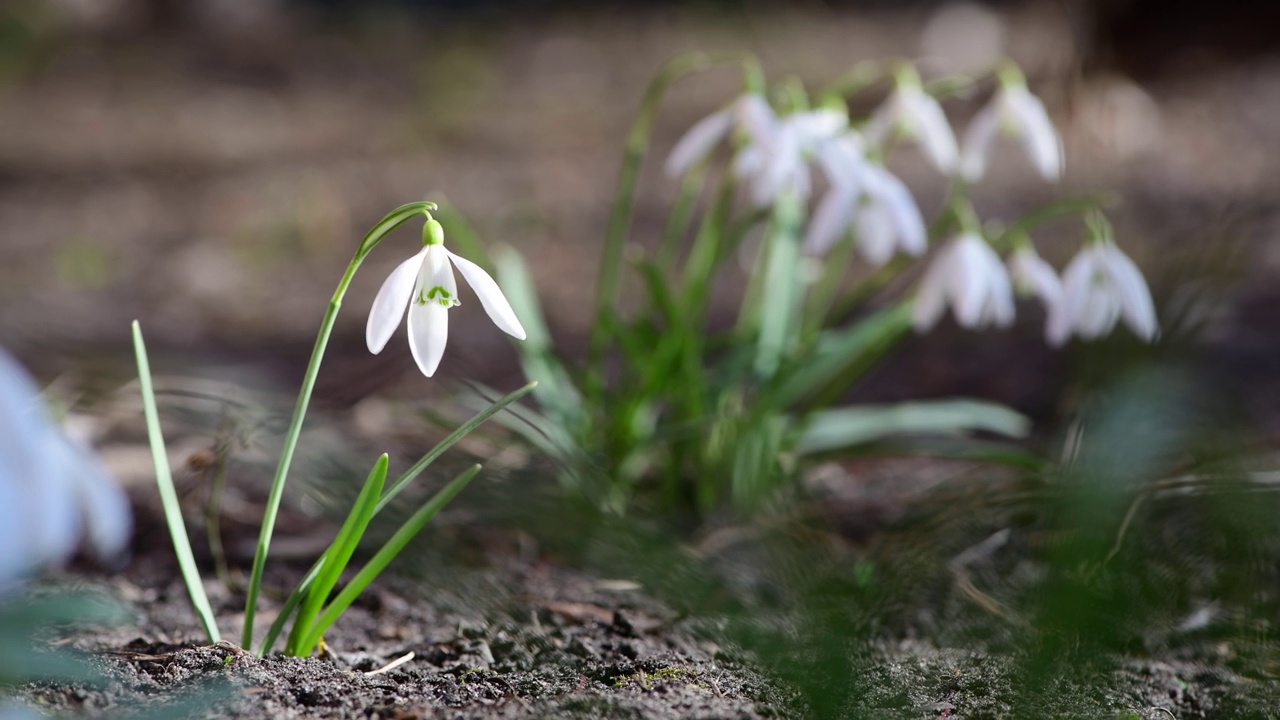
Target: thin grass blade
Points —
{"points": [[168, 496]]}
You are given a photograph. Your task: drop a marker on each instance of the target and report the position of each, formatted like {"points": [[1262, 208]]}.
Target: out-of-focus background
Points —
{"points": [[208, 166]]}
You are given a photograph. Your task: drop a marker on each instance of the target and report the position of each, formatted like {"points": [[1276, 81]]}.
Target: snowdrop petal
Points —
{"points": [[931, 297], [929, 124], [978, 139], [107, 524], [392, 299], [1031, 272], [51, 489], [1076, 281], [968, 281], [890, 192], [842, 159], [1099, 313], [491, 297], [698, 142], [875, 234], [1135, 304], [999, 293], [428, 334], [747, 162], [882, 123], [754, 115], [1041, 141], [822, 124], [783, 164], [830, 219]]}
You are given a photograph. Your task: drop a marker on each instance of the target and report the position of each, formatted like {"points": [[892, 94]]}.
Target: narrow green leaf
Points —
{"points": [[168, 496], [780, 300], [841, 356], [557, 392], [295, 598], [463, 430], [843, 428], [291, 604], [338, 555], [681, 218], [637, 146], [387, 553]]}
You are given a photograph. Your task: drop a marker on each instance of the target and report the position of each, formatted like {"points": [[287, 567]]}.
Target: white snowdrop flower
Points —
{"points": [[774, 153], [913, 113], [426, 285], [54, 496], [779, 164], [894, 209], [750, 113], [1100, 286], [967, 275], [1013, 111], [1033, 276], [868, 198]]}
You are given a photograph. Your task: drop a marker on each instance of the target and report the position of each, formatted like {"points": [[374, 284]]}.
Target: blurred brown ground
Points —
{"points": [[208, 167]]}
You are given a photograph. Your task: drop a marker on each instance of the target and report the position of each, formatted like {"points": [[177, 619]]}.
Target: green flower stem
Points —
{"points": [[370, 241], [781, 297], [168, 496], [389, 551], [620, 219], [681, 218], [277, 626]]}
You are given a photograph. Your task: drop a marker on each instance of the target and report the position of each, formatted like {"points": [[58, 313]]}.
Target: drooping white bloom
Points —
{"points": [[1100, 286], [1033, 276], [913, 113], [775, 151], [780, 163], [868, 198], [967, 275], [426, 285], [54, 496], [750, 113], [1013, 111]]}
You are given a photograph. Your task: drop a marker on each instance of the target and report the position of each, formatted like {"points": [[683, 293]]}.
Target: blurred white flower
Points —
{"points": [[750, 113], [868, 198], [779, 164], [54, 496], [1013, 111], [968, 275], [775, 152], [1033, 276], [913, 113], [425, 283], [1100, 286]]}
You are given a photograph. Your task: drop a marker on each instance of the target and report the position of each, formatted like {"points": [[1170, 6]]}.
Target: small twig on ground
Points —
{"points": [[392, 665]]}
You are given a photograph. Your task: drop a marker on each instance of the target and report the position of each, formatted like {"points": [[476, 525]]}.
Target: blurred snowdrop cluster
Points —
{"points": [[866, 204], [54, 497]]}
